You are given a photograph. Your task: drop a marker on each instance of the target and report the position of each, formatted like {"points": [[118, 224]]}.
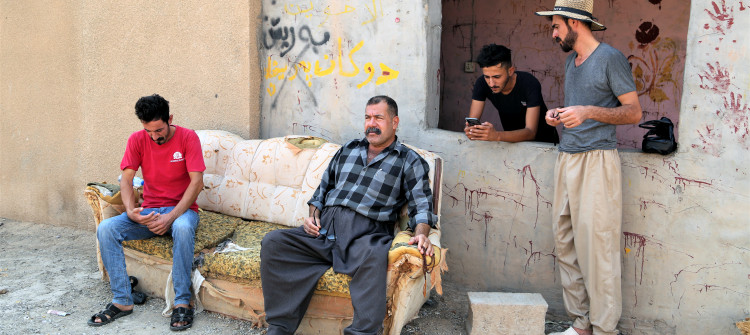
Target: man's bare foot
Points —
{"points": [[583, 331]]}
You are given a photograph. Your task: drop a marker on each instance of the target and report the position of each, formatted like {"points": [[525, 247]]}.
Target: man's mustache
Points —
{"points": [[558, 40], [372, 130]]}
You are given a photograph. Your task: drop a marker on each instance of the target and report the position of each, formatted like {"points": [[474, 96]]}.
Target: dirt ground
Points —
{"points": [[46, 268]]}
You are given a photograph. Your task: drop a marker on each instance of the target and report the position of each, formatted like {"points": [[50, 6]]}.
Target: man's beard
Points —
{"points": [[569, 41]]}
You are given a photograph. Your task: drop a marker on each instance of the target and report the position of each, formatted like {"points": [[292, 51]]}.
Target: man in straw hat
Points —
{"points": [[587, 207]]}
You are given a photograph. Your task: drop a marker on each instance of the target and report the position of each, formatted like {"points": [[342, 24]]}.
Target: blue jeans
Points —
{"points": [[113, 231]]}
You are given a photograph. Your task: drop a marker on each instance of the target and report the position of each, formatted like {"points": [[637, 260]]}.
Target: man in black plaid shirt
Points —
{"points": [[351, 225]]}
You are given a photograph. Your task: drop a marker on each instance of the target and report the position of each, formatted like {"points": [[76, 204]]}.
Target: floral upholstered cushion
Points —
{"points": [[332, 283], [244, 266], [212, 229], [265, 180]]}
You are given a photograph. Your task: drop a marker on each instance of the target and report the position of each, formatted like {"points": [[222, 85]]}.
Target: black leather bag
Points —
{"points": [[139, 298], [660, 136]]}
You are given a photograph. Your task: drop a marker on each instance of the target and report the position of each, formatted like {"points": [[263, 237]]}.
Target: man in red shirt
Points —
{"points": [[172, 166]]}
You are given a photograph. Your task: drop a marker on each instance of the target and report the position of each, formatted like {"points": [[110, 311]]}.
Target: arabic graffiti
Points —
{"points": [[304, 9], [288, 37], [288, 44], [341, 65], [372, 13]]}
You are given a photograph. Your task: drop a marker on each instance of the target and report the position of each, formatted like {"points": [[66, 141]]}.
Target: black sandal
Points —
{"points": [[181, 314], [109, 314]]}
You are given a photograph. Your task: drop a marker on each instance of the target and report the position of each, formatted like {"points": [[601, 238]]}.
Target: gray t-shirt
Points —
{"points": [[601, 78]]}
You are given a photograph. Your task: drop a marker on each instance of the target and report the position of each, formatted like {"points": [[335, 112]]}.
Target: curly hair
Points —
{"points": [[152, 108]]}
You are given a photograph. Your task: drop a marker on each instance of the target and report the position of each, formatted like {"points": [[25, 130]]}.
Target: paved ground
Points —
{"points": [[46, 268]]}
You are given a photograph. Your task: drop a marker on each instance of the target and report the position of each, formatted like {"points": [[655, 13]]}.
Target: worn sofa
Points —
{"points": [[253, 187]]}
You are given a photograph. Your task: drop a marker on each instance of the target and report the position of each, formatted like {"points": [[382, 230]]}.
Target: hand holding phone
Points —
{"points": [[472, 121]]}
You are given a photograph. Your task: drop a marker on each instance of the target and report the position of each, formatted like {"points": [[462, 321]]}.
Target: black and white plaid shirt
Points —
{"points": [[378, 190]]}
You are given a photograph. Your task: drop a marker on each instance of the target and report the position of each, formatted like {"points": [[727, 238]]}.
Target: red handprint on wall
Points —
{"points": [[723, 17], [715, 78], [710, 141], [735, 115]]}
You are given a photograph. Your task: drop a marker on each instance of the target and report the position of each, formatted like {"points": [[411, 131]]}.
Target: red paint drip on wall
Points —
{"points": [[526, 170], [685, 182], [486, 218], [645, 203], [700, 268], [637, 242], [536, 256], [706, 287]]}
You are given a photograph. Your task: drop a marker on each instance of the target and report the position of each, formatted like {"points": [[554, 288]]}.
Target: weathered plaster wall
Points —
{"points": [[322, 58], [71, 73], [685, 240], [652, 33]]}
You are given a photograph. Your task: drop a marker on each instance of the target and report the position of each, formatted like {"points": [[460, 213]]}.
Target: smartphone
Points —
{"points": [[473, 121]]}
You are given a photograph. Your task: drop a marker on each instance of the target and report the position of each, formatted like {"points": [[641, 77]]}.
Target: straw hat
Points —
{"points": [[575, 9]]}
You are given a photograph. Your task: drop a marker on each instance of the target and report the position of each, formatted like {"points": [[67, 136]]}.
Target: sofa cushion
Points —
{"points": [[241, 266], [265, 180], [244, 266], [212, 229]]}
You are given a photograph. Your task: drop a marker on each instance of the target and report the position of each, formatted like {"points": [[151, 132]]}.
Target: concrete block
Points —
{"points": [[495, 313]]}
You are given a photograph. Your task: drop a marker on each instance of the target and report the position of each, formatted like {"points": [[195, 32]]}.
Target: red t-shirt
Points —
{"points": [[166, 166]]}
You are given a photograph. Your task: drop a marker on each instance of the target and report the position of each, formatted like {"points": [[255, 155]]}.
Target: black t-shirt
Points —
{"points": [[512, 107]]}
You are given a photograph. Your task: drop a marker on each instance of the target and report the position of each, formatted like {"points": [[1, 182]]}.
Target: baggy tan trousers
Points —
{"points": [[587, 224]]}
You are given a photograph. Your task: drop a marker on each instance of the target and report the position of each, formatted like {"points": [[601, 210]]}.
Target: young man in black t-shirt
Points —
{"points": [[516, 95]]}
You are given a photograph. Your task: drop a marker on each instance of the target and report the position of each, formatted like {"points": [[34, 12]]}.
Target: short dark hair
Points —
{"points": [[493, 54], [567, 19], [392, 106], [152, 108]]}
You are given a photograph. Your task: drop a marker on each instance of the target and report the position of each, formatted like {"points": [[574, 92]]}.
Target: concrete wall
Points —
{"points": [[685, 241], [71, 72], [653, 34]]}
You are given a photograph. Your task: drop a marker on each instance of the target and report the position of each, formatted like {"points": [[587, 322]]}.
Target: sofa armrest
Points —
{"points": [[92, 197], [410, 278], [101, 210]]}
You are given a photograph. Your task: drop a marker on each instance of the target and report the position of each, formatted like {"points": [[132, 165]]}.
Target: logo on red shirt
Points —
{"points": [[177, 157]]}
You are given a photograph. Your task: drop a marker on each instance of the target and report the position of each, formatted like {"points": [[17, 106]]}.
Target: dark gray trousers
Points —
{"points": [[292, 262]]}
